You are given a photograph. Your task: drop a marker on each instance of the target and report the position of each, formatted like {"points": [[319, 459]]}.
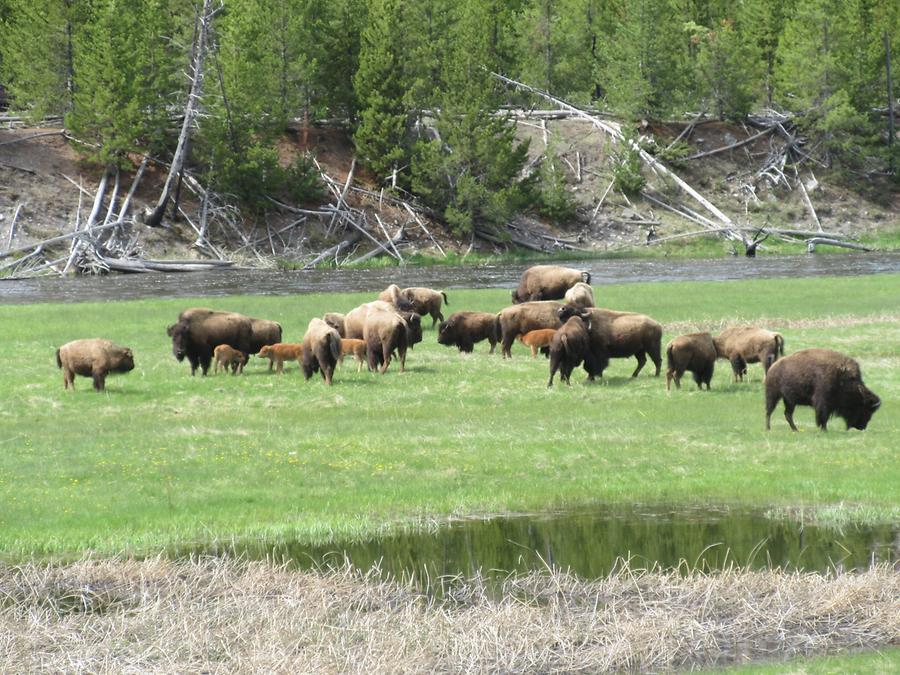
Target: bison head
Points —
{"points": [[515, 297], [566, 312], [863, 406], [446, 335], [123, 361], [179, 334], [413, 328]]}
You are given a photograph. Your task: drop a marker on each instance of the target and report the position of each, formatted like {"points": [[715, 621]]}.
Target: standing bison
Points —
{"points": [[580, 295], [696, 353], [93, 358], [321, 350], [569, 347], [747, 344], [199, 331], [385, 332], [547, 282], [520, 319], [426, 301], [464, 329], [618, 335], [828, 381], [264, 332]]}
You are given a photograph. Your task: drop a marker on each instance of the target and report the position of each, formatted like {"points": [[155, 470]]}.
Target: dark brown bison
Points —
{"points": [[464, 329], [336, 321], [393, 295], [618, 335], [569, 347], [199, 331], [828, 381], [547, 282], [426, 301], [747, 344], [384, 332], [580, 295], [321, 350], [519, 319], [93, 358], [695, 353], [264, 332]]}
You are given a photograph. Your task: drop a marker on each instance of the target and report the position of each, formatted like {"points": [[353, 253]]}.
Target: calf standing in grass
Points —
{"points": [[229, 357], [538, 339], [694, 352], [93, 358], [355, 347], [281, 352], [569, 347], [828, 381]]}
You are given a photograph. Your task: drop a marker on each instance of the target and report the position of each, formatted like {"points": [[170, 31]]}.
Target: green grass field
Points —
{"points": [[163, 459]]}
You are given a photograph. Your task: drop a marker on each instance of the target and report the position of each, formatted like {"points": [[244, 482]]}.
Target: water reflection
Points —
{"points": [[589, 544], [273, 282]]}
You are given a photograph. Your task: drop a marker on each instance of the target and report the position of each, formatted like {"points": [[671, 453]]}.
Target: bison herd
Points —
{"points": [[571, 333]]}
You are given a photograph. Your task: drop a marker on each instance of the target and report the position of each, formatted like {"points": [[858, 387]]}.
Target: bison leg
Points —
{"points": [[493, 345], [195, 363], [99, 380], [534, 351], [772, 399], [657, 359], [205, 360], [279, 369], [738, 368], [385, 358], [506, 345], [641, 359], [789, 414]]}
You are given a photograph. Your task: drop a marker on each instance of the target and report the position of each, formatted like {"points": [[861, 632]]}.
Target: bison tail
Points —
{"points": [[446, 301], [58, 360], [669, 358], [779, 344]]}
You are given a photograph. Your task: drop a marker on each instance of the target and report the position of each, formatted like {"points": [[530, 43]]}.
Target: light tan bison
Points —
{"points": [[828, 381], [355, 319], [227, 357], [393, 295], [384, 332], [618, 335], [464, 329], [281, 352], [695, 353], [426, 301], [336, 321], [748, 344], [547, 282], [94, 358], [321, 350], [580, 295], [519, 319]]}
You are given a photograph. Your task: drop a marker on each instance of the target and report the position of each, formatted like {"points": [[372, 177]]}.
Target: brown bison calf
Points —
{"points": [[569, 347], [828, 381], [229, 357], [321, 350], [464, 329], [355, 347], [695, 353], [94, 358], [538, 339], [281, 352], [747, 344], [426, 301]]}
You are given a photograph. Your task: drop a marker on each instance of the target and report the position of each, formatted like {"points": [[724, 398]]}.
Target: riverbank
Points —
{"points": [[162, 459]]}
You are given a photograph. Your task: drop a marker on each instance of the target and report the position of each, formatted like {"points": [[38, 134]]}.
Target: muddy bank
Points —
{"points": [[501, 275]]}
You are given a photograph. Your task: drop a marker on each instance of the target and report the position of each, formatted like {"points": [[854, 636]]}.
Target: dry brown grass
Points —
{"points": [[214, 615], [717, 325]]}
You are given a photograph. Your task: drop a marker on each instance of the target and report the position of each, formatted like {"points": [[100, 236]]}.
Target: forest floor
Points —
{"points": [[40, 175]]}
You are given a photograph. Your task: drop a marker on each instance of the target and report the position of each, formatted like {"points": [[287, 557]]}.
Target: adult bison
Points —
{"points": [[199, 331], [464, 329], [426, 301], [519, 319], [321, 350], [264, 332], [568, 348], [694, 352], [385, 332], [580, 295], [94, 358], [355, 320], [748, 344], [393, 295], [547, 282], [828, 381], [617, 335]]}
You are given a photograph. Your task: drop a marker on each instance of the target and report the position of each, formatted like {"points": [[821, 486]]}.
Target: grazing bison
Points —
{"points": [[264, 332], [227, 357], [384, 333], [464, 329], [426, 301], [394, 296], [94, 358], [538, 339], [828, 381], [694, 352], [321, 350], [569, 347], [747, 344], [355, 320], [618, 335], [580, 295], [281, 352], [528, 316], [355, 347], [336, 321], [199, 331], [547, 282]]}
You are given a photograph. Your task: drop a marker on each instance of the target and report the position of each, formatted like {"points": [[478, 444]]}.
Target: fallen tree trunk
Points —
{"points": [[824, 241]]}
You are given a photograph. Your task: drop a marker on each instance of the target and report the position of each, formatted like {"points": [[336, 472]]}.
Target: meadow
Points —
{"points": [[162, 459]]}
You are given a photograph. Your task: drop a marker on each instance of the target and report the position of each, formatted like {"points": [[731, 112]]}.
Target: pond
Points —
{"points": [[589, 543], [500, 275]]}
